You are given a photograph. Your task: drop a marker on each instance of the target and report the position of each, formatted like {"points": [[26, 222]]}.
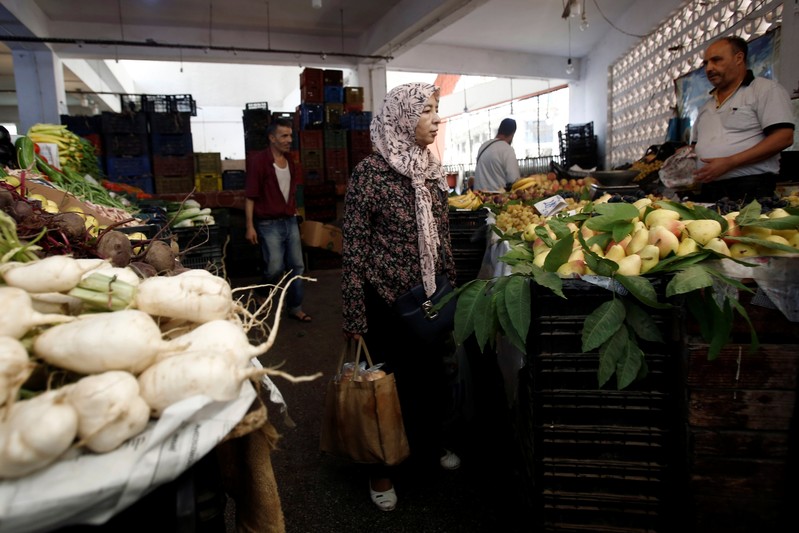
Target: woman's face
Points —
{"points": [[427, 127]]}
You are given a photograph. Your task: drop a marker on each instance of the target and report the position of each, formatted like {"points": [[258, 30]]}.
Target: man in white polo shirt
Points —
{"points": [[741, 131]]}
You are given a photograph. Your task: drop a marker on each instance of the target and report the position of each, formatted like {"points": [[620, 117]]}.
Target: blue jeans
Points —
{"points": [[281, 249]]}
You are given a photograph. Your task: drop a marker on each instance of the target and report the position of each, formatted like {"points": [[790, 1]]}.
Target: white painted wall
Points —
{"points": [[588, 95]]}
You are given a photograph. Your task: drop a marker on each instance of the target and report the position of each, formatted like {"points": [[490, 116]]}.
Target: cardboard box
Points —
{"points": [[64, 200], [319, 235], [234, 164]]}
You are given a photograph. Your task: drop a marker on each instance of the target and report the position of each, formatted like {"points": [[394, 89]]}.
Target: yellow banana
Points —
{"points": [[523, 182]]}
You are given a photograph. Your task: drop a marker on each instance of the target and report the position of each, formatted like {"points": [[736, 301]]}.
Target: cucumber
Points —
{"points": [[26, 152]]}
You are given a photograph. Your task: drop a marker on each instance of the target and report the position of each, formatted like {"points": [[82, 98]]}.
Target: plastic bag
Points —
{"points": [[349, 372], [678, 170]]}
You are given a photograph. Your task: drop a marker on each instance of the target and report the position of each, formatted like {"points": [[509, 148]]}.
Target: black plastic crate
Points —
{"points": [[256, 119], [233, 180], [199, 240], [170, 123], [172, 144], [125, 144], [255, 140], [127, 166], [123, 123], [81, 124], [169, 103]]}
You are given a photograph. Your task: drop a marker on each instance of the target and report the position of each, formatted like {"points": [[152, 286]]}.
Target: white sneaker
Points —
{"points": [[450, 461]]}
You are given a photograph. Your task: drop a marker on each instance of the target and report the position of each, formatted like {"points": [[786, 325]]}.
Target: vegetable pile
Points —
{"points": [[98, 372]]}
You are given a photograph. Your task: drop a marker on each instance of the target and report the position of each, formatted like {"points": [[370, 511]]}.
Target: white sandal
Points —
{"points": [[386, 500], [450, 461]]}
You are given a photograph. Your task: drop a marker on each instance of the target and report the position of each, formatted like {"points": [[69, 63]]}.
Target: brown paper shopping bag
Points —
{"points": [[362, 420]]}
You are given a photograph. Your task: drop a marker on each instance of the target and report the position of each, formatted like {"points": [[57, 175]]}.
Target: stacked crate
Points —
{"points": [[256, 119], [319, 202], [208, 171], [742, 424], [126, 152], [578, 146], [88, 127], [468, 234], [336, 166], [598, 459], [173, 151]]}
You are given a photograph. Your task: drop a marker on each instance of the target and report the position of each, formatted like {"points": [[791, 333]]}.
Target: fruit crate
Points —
{"points": [[359, 140], [335, 140], [116, 167], [208, 182], [165, 165], [208, 163], [233, 180], [311, 140], [353, 95], [169, 103], [171, 123], [174, 184], [125, 144], [255, 118], [333, 77], [81, 124], [356, 120], [312, 77], [311, 115], [334, 94], [123, 123], [333, 114], [255, 140], [312, 159], [171, 144], [144, 182]]}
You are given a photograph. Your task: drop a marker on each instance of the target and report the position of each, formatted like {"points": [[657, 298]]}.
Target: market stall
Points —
{"points": [[124, 365], [649, 349]]}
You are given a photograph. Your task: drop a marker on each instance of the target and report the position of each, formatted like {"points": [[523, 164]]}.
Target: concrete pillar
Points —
{"points": [[39, 78], [377, 87]]}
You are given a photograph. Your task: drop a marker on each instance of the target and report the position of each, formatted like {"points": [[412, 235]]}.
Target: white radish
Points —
{"points": [[56, 302], [15, 367], [185, 375], [125, 274], [190, 296], [110, 409], [223, 337], [121, 340], [18, 313], [55, 273], [36, 433]]}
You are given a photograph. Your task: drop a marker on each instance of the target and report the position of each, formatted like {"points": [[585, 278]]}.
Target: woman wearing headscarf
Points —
{"points": [[396, 236]]}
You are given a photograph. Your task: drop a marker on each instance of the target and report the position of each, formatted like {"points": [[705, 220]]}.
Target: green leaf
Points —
{"points": [[549, 280], [763, 243], [485, 328], [721, 329], [693, 278], [686, 213], [621, 230], [674, 262], [748, 214], [729, 281], [610, 353], [789, 222], [559, 253], [602, 239], [617, 210], [466, 309], [698, 305], [542, 232], [703, 212], [559, 228], [506, 324], [629, 366], [754, 341], [642, 289], [517, 302], [642, 323], [516, 255], [602, 323], [604, 267]]}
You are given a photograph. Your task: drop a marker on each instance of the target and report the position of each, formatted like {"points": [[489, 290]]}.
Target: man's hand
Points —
{"points": [[251, 235], [714, 167]]}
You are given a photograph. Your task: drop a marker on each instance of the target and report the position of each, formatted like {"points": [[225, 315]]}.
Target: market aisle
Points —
{"points": [[322, 494]]}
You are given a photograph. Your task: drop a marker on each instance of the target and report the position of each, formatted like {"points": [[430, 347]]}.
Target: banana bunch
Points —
{"points": [[74, 152], [465, 201], [526, 183]]}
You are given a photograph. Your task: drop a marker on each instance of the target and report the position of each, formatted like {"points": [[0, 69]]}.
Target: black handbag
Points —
{"points": [[420, 314]]}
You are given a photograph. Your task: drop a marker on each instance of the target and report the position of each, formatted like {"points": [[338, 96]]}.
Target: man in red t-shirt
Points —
{"points": [[271, 213]]}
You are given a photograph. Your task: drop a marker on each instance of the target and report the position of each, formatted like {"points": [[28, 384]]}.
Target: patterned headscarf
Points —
{"points": [[393, 134]]}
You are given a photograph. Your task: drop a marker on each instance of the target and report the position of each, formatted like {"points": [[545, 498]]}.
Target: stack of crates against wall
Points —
{"points": [[320, 201], [173, 173], [353, 99], [578, 145], [126, 153], [359, 145], [208, 171], [333, 81], [356, 120], [468, 231], [88, 127], [200, 246], [256, 118], [312, 86], [337, 169], [312, 156], [599, 458]]}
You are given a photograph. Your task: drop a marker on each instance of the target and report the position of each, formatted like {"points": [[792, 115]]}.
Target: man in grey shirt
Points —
{"points": [[497, 165]]}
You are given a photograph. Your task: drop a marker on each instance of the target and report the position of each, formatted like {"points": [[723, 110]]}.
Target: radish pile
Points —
{"points": [[90, 353]]}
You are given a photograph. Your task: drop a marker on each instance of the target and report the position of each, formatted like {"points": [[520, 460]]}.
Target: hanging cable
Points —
{"points": [[614, 26]]}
